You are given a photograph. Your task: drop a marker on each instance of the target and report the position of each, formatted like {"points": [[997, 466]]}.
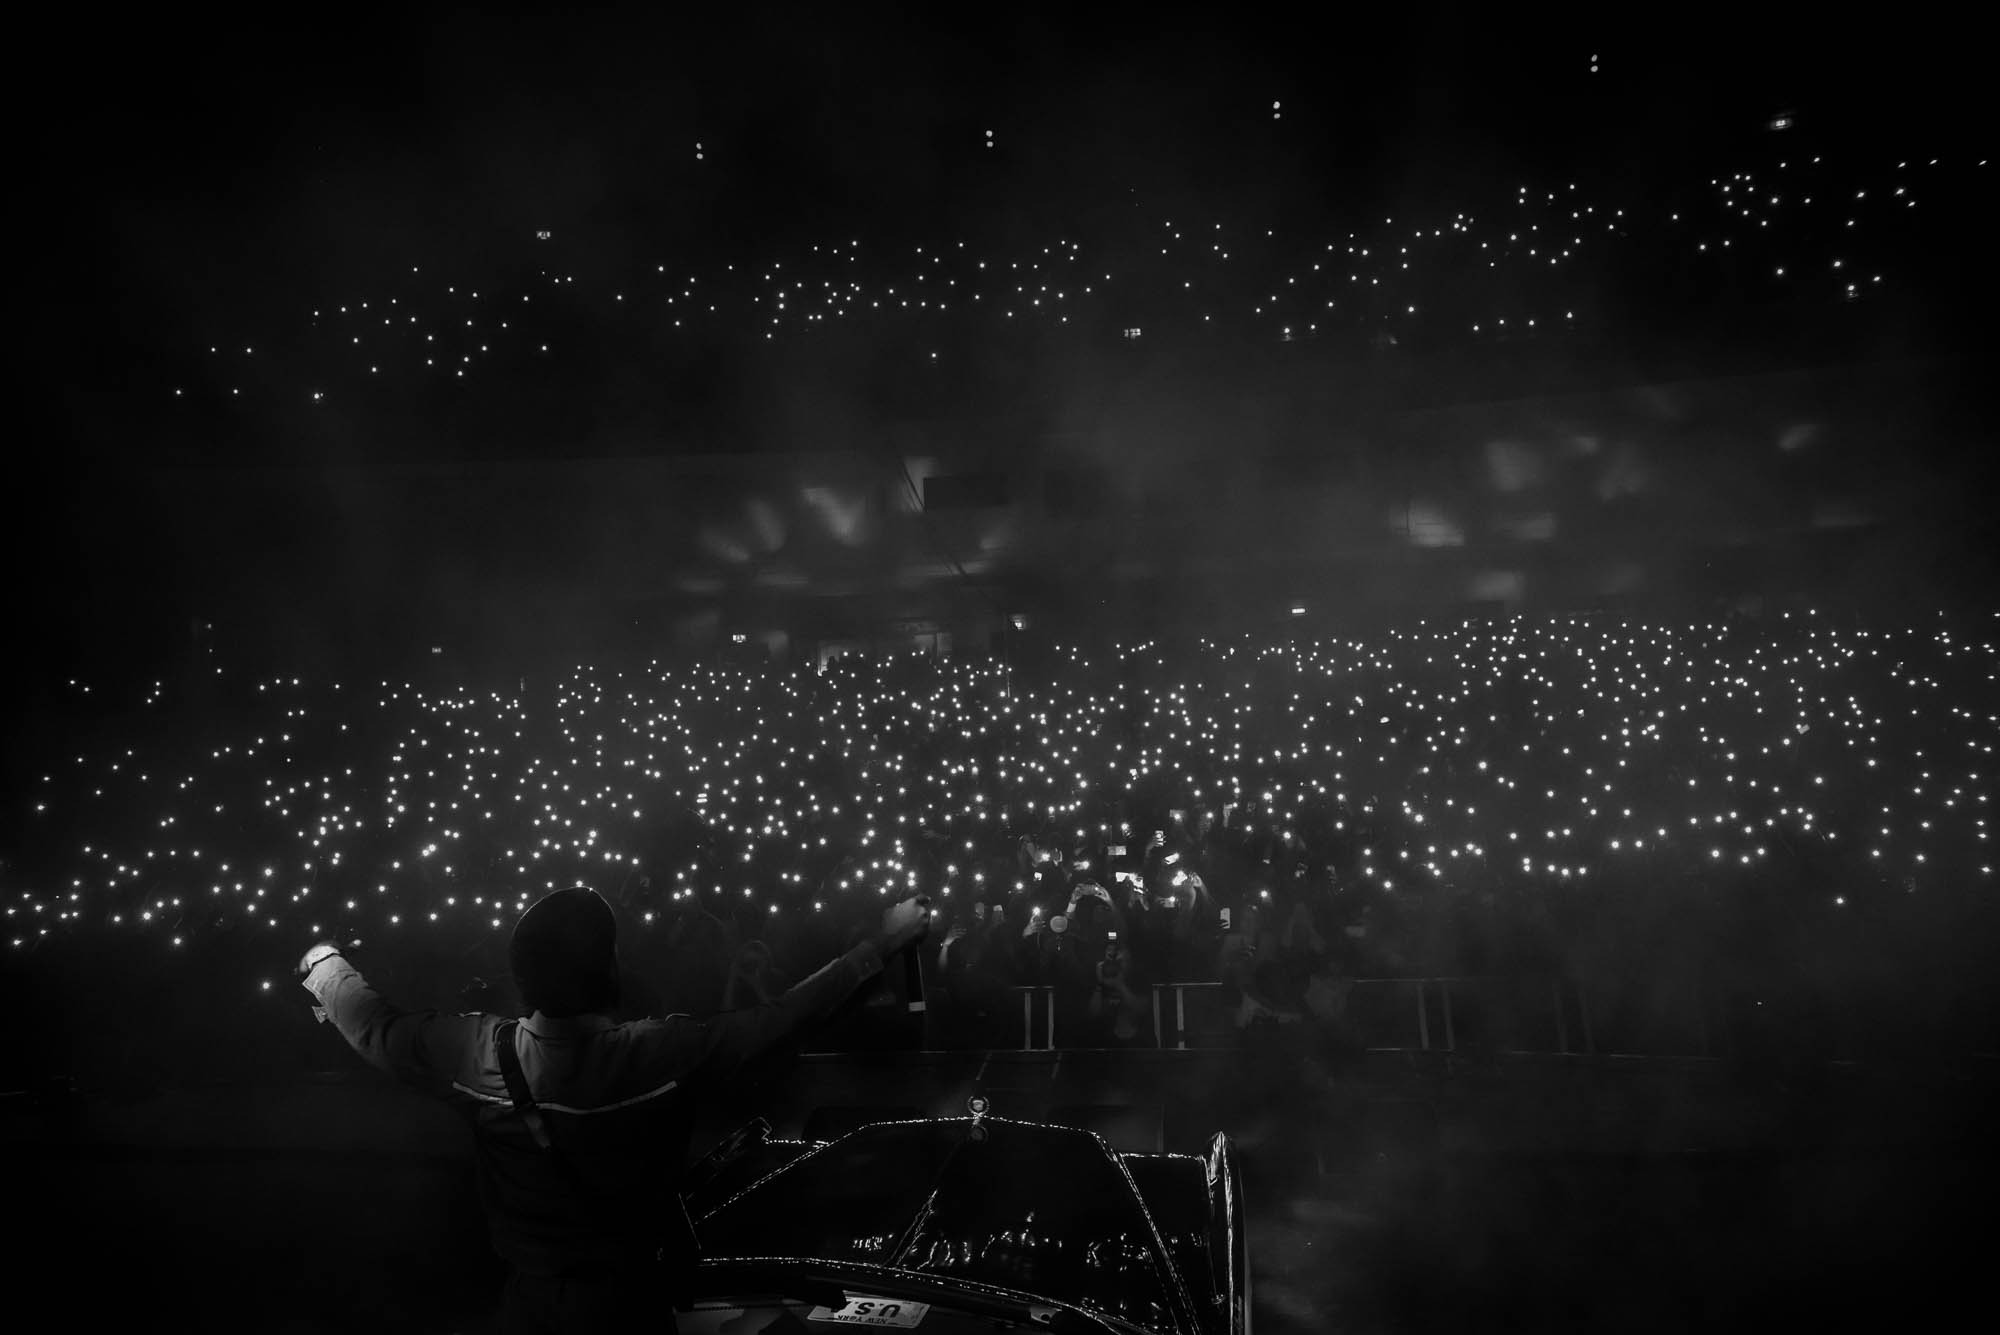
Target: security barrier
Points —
{"points": [[1531, 1015]]}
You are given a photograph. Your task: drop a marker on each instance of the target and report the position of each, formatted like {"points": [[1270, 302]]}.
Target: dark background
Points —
{"points": [[185, 175]]}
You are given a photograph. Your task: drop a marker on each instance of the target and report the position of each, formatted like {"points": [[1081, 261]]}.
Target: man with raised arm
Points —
{"points": [[581, 1124]]}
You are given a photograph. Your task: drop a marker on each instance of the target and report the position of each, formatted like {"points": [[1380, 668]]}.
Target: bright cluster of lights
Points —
{"points": [[1522, 264], [1480, 754]]}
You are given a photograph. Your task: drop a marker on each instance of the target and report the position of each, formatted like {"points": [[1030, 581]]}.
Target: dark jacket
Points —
{"points": [[620, 1099]]}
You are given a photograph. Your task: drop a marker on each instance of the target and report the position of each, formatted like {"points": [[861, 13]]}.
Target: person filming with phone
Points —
{"points": [[581, 1124]]}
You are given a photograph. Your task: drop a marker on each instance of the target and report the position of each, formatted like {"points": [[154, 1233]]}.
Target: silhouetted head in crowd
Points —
{"points": [[564, 954]]}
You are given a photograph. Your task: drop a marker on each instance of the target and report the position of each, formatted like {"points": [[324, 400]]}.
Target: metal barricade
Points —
{"points": [[1048, 996], [1408, 1014], [1445, 1014]]}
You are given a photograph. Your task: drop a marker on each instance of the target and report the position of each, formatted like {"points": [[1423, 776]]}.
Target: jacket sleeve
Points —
{"points": [[711, 1049], [421, 1048]]}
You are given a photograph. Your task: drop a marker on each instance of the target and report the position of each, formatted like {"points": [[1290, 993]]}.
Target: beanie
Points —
{"points": [[564, 954]]}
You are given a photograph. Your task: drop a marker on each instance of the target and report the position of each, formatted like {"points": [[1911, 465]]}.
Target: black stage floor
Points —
{"points": [[1846, 1212]]}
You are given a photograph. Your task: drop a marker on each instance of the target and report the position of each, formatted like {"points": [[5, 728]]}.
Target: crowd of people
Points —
{"points": [[1789, 812]]}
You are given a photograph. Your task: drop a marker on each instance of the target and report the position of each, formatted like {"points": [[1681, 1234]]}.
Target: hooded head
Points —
{"points": [[564, 954]]}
